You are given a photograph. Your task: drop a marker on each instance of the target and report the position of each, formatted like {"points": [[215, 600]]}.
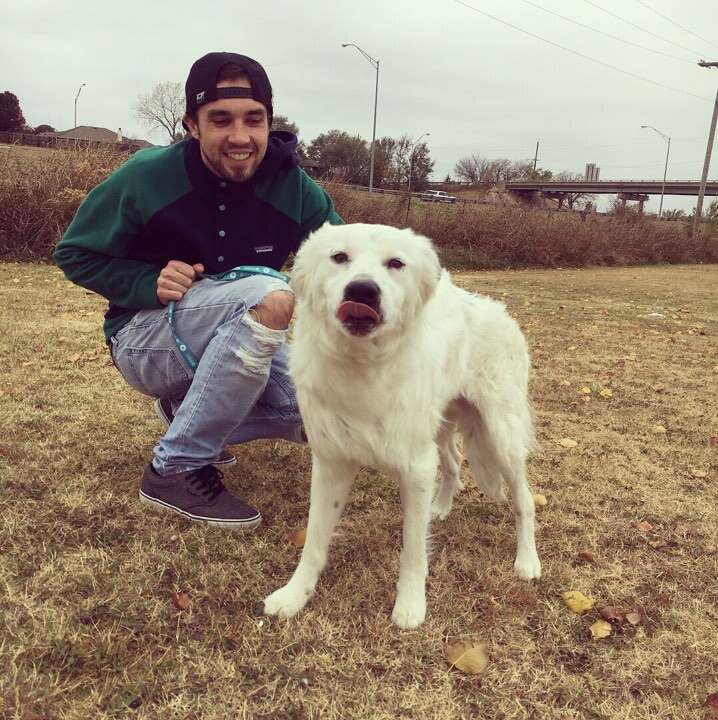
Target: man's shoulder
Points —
{"points": [[155, 159], [155, 176]]}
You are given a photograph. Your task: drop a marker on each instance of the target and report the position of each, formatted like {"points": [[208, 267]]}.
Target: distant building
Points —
{"points": [[591, 173], [100, 134]]}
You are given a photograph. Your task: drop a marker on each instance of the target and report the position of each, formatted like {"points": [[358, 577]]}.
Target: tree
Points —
{"points": [[574, 197], [163, 109], [472, 168], [44, 129], [712, 212], [282, 122], [11, 119], [345, 158]]}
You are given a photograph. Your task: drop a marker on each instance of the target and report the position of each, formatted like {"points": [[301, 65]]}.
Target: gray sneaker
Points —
{"points": [[163, 409], [198, 495]]}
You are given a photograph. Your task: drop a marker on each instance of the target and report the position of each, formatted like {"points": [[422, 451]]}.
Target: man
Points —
{"points": [[230, 195]]}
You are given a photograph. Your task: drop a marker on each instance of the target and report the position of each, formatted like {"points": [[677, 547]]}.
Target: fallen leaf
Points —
{"points": [[586, 557], [297, 537], [181, 601], [577, 602], [565, 382], [601, 629], [586, 390], [540, 500], [611, 614], [605, 392], [75, 358], [659, 387], [644, 526], [699, 473], [659, 429], [713, 440], [657, 544], [712, 701], [567, 443], [633, 617], [468, 657]]}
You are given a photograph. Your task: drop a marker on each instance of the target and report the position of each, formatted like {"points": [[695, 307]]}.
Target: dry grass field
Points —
{"points": [[112, 611]]}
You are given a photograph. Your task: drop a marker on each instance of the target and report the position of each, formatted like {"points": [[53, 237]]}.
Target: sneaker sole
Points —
{"points": [[161, 415], [237, 525]]}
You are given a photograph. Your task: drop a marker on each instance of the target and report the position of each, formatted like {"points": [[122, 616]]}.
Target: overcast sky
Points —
{"points": [[474, 83]]}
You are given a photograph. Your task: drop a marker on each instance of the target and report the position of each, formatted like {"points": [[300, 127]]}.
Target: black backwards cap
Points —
{"points": [[201, 86]]}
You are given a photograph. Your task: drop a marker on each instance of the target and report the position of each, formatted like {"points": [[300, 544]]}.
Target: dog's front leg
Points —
{"points": [[331, 482], [416, 485]]}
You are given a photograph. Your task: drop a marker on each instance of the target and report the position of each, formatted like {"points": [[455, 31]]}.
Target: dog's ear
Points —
{"points": [[305, 261], [430, 270], [297, 280]]}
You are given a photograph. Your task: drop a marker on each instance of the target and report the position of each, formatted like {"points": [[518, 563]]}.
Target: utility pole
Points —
{"points": [[536, 158], [706, 163]]}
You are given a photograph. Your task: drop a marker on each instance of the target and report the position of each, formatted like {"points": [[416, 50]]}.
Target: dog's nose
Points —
{"points": [[362, 291]]}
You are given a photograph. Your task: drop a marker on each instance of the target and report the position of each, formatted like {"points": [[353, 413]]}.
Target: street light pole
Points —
{"points": [[665, 169], [77, 96], [411, 171], [375, 64], [706, 163]]}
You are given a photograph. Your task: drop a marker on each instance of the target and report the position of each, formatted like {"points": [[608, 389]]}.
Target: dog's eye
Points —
{"points": [[395, 264], [340, 257]]}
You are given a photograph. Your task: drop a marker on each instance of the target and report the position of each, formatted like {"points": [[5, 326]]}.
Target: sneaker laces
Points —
{"points": [[207, 482]]}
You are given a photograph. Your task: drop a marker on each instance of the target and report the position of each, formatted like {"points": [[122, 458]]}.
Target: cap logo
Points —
{"points": [[199, 97]]}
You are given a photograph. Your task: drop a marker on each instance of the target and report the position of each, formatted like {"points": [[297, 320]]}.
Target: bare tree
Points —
{"points": [[163, 108], [472, 168], [573, 197]]}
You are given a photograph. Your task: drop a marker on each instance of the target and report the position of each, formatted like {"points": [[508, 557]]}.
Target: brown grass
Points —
{"points": [[486, 236], [41, 188], [87, 575]]}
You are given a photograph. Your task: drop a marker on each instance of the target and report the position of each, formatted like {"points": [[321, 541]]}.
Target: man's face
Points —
{"points": [[232, 133]]}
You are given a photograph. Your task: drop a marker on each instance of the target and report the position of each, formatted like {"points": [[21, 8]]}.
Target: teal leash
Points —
{"points": [[237, 273]]}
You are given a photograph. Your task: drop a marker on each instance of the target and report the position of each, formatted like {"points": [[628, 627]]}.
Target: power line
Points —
{"points": [[638, 27], [601, 32], [575, 52], [665, 17]]}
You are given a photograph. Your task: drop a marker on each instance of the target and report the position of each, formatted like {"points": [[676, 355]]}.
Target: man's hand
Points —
{"points": [[176, 279]]}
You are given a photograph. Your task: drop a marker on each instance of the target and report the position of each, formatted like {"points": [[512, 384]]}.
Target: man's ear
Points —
{"points": [[192, 125]]}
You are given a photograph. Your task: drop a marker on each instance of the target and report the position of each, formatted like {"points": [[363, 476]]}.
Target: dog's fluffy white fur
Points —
{"points": [[439, 361]]}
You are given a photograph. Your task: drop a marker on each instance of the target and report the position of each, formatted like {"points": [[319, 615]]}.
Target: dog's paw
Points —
{"points": [[287, 601], [409, 612], [441, 508], [528, 568]]}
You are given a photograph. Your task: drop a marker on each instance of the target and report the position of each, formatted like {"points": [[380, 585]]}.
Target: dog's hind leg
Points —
{"points": [[504, 434], [482, 458], [415, 484], [331, 483], [450, 464]]}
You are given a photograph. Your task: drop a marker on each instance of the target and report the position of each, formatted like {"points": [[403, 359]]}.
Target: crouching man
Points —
{"points": [[152, 234]]}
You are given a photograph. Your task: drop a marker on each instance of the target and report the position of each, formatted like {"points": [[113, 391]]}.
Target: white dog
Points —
{"points": [[389, 360]]}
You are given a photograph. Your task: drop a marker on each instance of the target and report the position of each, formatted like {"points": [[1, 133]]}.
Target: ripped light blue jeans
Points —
{"points": [[240, 390]]}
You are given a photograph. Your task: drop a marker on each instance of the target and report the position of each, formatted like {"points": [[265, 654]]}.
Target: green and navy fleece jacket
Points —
{"points": [[164, 204]]}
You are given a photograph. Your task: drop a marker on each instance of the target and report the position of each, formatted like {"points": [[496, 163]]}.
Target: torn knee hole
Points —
{"points": [[275, 310]]}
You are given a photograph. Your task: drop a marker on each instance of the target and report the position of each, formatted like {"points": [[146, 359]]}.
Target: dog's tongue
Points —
{"points": [[357, 310]]}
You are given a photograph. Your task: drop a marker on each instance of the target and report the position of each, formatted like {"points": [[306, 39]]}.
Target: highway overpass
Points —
{"points": [[612, 187]]}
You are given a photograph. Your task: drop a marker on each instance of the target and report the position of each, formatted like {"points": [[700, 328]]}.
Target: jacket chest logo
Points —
{"points": [[263, 248]]}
